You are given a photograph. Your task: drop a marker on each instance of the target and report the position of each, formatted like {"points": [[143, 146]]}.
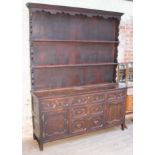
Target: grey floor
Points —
{"points": [[112, 141]]}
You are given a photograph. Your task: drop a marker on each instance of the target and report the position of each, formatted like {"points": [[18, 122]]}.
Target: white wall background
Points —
{"points": [[108, 5]]}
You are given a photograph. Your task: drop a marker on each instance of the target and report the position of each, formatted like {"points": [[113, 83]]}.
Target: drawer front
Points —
{"points": [[86, 110], [99, 97], [79, 111], [79, 125], [96, 122], [96, 109], [114, 95], [85, 99], [55, 104]]}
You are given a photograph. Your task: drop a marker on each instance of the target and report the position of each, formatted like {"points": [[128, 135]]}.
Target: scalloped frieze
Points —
{"points": [[74, 13]]}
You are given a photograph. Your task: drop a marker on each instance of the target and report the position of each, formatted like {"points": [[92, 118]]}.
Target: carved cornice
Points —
{"points": [[72, 11]]}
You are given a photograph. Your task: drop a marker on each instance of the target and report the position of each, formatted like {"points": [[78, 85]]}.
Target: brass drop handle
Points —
{"points": [[67, 105], [96, 121], [54, 105], [78, 125]]}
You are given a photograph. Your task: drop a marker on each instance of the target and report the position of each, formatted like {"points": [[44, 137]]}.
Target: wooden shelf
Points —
{"points": [[62, 92], [73, 65], [77, 41]]}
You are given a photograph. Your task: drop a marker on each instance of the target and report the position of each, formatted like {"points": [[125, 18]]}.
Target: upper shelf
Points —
{"points": [[73, 65], [76, 41]]}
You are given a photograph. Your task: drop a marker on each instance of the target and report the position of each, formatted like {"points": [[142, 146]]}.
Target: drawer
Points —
{"points": [[84, 99], [81, 99], [79, 125], [79, 111], [55, 104], [96, 122], [96, 109], [99, 97], [86, 110], [114, 95], [118, 101]]}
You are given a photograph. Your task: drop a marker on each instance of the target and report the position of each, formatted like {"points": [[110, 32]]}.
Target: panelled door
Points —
{"points": [[55, 124]]}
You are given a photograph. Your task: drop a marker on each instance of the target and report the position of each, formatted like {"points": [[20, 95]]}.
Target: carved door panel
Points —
{"points": [[55, 124], [114, 112]]}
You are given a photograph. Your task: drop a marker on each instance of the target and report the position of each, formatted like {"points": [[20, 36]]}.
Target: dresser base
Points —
{"points": [[41, 143]]}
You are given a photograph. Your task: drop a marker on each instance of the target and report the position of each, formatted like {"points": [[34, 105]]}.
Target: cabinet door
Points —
{"points": [[115, 112], [55, 124]]}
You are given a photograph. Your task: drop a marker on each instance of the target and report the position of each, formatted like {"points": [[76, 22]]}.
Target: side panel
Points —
{"points": [[35, 117]]}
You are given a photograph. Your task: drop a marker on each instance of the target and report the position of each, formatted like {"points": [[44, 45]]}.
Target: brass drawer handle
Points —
{"points": [[96, 121], [54, 106], [67, 105]]}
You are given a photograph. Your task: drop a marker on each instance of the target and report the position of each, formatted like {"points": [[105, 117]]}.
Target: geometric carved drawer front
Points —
{"points": [[96, 109], [99, 97], [116, 95], [84, 99], [55, 124], [79, 125], [96, 122], [82, 111], [79, 111], [55, 104]]}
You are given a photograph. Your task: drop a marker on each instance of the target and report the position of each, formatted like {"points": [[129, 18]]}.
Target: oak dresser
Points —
{"points": [[73, 71]]}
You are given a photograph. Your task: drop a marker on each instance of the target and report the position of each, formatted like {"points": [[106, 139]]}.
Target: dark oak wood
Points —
{"points": [[74, 65], [73, 71], [78, 41]]}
